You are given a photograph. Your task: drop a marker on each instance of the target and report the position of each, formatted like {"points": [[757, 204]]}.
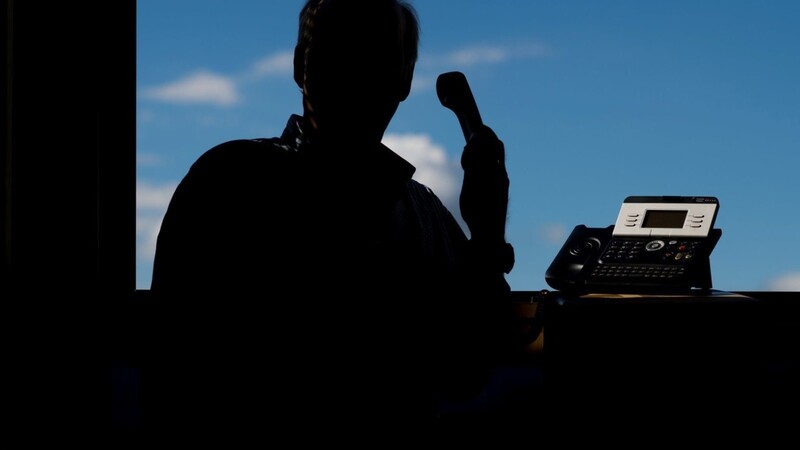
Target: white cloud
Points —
{"points": [[200, 87], [147, 228], [276, 64], [478, 55], [148, 159], [786, 282], [212, 88], [485, 54], [553, 233], [152, 197], [422, 83], [145, 115], [531, 50], [151, 204], [434, 169]]}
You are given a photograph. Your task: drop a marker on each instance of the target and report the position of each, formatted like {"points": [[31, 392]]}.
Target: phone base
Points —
{"points": [[593, 260]]}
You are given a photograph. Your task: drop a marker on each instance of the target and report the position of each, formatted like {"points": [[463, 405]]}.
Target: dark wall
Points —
{"points": [[68, 192], [69, 146]]}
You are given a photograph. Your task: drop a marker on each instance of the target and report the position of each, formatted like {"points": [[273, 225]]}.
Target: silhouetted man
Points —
{"points": [[308, 277]]}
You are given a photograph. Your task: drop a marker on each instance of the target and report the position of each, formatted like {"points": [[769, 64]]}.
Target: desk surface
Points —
{"points": [[578, 314], [711, 296]]}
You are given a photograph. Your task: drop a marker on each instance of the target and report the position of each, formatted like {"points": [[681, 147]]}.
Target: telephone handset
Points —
{"points": [[657, 245], [454, 94]]}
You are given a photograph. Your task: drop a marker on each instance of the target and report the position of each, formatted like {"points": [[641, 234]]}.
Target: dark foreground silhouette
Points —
{"points": [[308, 277]]}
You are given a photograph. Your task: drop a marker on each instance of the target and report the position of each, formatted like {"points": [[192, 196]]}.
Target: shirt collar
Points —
{"points": [[381, 161]]}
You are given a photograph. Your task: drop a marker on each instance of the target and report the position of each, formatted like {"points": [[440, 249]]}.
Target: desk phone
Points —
{"points": [[658, 244]]}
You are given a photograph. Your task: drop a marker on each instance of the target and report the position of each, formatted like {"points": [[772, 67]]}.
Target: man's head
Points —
{"points": [[354, 62]]}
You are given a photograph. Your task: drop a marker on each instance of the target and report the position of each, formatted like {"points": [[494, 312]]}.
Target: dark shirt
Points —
{"points": [[335, 273]]}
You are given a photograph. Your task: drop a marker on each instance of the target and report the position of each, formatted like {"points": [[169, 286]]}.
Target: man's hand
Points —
{"points": [[484, 194]]}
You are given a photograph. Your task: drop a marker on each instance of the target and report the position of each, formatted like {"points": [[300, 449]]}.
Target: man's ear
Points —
{"points": [[408, 76], [299, 66]]}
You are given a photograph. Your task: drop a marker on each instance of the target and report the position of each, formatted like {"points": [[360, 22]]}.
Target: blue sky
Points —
{"points": [[594, 100]]}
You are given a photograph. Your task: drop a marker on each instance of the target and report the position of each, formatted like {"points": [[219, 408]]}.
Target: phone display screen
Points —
{"points": [[664, 219]]}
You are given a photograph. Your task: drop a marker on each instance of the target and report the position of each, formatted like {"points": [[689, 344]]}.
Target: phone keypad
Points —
{"points": [[654, 251], [646, 261], [637, 273]]}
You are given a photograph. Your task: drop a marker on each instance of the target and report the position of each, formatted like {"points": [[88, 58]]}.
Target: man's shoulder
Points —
{"points": [[242, 157], [426, 202], [246, 151], [420, 192]]}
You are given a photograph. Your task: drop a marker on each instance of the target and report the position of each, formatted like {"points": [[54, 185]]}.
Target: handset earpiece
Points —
{"points": [[455, 94]]}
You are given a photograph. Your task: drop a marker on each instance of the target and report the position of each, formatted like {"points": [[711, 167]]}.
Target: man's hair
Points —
{"points": [[405, 15]]}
